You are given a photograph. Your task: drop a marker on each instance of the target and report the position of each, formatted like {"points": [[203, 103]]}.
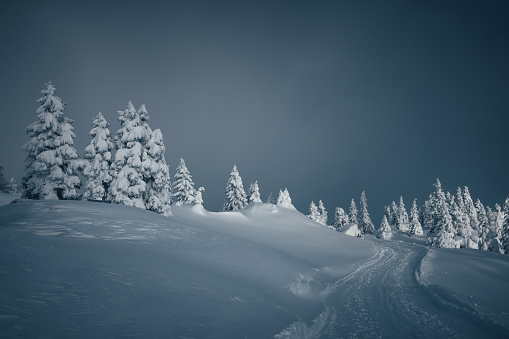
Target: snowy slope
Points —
{"points": [[479, 279], [85, 269]]}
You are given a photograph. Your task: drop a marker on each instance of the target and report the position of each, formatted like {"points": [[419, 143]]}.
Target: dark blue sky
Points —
{"points": [[324, 98]]}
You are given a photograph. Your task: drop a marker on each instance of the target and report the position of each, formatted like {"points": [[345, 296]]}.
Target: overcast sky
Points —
{"points": [[325, 98]]}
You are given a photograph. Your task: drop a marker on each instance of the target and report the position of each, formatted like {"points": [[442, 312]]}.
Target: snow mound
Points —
{"points": [[351, 230]]}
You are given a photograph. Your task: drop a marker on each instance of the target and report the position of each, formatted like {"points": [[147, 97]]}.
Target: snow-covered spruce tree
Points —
{"points": [[415, 224], [434, 205], [198, 198], [365, 224], [313, 212], [235, 195], [403, 222], [50, 170], [393, 221], [387, 212], [128, 187], [13, 187], [470, 209], [340, 219], [497, 220], [284, 199], [4, 185], [323, 213], [353, 213], [442, 234], [254, 193], [384, 232], [156, 175], [483, 229], [98, 155], [183, 186]]}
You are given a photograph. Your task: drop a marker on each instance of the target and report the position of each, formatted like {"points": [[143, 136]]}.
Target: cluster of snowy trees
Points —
{"points": [[128, 169], [341, 219], [396, 217], [455, 221]]}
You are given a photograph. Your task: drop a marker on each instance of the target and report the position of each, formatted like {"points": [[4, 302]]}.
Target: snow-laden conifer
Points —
{"points": [[323, 213], [235, 195], [497, 220], [442, 234], [13, 187], [284, 199], [183, 186], [415, 225], [254, 193], [353, 213], [198, 198], [470, 209], [483, 227], [156, 175], [4, 185], [340, 219], [98, 155], [128, 187], [394, 216], [50, 169], [364, 223], [384, 232], [314, 214], [403, 222]]}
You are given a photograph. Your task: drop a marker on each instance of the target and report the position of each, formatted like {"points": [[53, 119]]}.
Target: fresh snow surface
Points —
{"points": [[94, 270], [85, 269]]}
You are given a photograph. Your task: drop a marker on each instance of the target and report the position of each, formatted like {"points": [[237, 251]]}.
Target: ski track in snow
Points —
{"points": [[383, 298]]}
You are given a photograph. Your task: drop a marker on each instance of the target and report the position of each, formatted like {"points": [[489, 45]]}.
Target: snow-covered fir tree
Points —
{"points": [[403, 222], [13, 187], [183, 186], [504, 239], [3, 182], [99, 158], [353, 213], [156, 175], [284, 199], [394, 216], [483, 227], [340, 219], [384, 232], [442, 234], [236, 197], [254, 193], [50, 169], [434, 205], [497, 219], [128, 186], [198, 198], [323, 213], [364, 223], [313, 212], [415, 225], [470, 209]]}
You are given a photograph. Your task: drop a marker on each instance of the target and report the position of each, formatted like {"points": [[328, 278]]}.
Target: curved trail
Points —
{"points": [[383, 299]]}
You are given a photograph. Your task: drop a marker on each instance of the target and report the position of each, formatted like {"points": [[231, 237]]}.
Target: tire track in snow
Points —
{"points": [[383, 299]]}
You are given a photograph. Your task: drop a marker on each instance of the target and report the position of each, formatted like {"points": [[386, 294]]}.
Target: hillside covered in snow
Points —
{"points": [[85, 269]]}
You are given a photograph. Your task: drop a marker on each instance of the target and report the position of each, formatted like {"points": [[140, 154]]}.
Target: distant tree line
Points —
{"points": [[130, 169]]}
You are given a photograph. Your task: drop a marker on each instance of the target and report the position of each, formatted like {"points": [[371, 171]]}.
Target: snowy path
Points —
{"points": [[383, 299]]}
